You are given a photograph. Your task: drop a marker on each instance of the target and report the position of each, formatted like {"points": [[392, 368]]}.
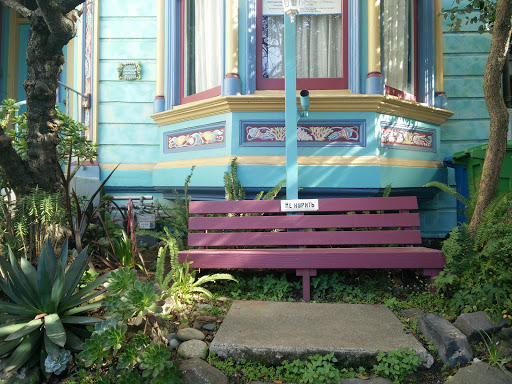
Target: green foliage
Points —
{"points": [[496, 355], [44, 315], [478, 271], [128, 297], [317, 369], [154, 360], [397, 364], [57, 365], [232, 187], [268, 287], [37, 215], [481, 12], [186, 285], [124, 250]]}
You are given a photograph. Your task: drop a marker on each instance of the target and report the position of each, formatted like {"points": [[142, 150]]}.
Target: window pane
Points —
{"points": [[203, 45], [398, 46], [319, 46]]}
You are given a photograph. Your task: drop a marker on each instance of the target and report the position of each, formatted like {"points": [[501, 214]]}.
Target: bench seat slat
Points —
{"points": [[325, 205], [252, 239], [321, 258], [305, 221]]}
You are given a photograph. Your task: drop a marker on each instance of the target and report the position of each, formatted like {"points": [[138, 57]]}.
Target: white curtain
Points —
{"points": [[319, 46], [207, 44], [396, 30]]}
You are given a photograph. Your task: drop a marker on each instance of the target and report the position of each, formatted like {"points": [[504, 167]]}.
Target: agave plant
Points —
{"points": [[46, 312]]}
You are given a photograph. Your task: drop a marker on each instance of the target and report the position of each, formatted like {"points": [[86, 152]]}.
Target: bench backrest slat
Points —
{"points": [[305, 221], [237, 239], [325, 205]]}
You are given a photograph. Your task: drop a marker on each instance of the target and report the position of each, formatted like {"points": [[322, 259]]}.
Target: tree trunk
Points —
{"points": [[51, 30], [497, 111]]}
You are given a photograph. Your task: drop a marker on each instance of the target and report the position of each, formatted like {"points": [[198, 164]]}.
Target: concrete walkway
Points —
{"points": [[269, 332]]}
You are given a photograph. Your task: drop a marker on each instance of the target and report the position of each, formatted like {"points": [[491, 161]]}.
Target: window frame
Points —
{"points": [[302, 83], [212, 92], [397, 92]]}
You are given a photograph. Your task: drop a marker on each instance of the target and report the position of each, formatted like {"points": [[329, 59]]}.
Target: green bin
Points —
{"points": [[473, 158]]}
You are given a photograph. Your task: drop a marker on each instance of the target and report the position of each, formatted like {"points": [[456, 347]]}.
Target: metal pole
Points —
{"points": [[290, 103]]}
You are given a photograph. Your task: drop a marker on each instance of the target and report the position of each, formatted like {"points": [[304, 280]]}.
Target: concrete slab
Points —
{"points": [[270, 332]]}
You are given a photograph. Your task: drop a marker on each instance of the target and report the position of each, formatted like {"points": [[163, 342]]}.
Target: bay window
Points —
{"points": [[321, 45], [399, 49], [201, 49]]}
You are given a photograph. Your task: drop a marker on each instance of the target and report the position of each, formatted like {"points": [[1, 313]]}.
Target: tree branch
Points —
{"points": [[61, 27], [69, 5], [25, 12], [11, 163]]}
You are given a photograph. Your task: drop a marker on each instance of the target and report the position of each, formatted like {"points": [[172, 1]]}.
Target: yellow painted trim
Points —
{"points": [[126, 167], [320, 101], [302, 160], [160, 48], [232, 36], [374, 34], [95, 71], [438, 43]]}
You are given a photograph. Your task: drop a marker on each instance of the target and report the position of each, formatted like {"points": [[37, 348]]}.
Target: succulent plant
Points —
{"points": [[46, 312], [58, 365]]}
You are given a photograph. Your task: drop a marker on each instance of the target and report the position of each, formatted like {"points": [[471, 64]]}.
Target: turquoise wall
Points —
{"points": [[126, 133], [4, 41]]}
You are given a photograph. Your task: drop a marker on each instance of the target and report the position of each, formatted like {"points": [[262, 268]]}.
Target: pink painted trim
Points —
{"points": [[373, 74], [440, 94], [402, 95], [317, 83]]}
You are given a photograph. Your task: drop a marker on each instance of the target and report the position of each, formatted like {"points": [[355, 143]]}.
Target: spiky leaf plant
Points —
{"points": [[46, 314]]}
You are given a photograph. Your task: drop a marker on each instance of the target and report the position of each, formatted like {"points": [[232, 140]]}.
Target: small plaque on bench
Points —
{"points": [[300, 205]]}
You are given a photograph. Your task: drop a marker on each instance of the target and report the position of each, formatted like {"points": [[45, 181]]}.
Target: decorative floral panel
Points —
{"points": [[398, 136], [341, 133], [204, 137]]}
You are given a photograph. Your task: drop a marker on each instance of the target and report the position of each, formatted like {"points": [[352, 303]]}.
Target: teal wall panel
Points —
{"points": [[203, 177], [110, 112], [135, 8], [127, 154], [464, 86], [116, 27], [128, 178], [479, 43], [140, 134], [463, 64], [127, 91], [4, 48], [462, 128], [128, 49], [468, 108]]}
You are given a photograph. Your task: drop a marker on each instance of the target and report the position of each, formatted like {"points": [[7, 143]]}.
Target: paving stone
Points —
{"points": [[193, 348], [452, 345], [190, 334], [197, 371], [412, 314], [480, 373], [475, 325]]}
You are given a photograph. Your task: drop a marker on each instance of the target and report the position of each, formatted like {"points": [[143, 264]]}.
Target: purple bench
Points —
{"points": [[360, 233]]}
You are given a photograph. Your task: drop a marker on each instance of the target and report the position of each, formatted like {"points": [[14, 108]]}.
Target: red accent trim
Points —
{"points": [[159, 97], [401, 94], [440, 94], [302, 83], [232, 76], [374, 74], [216, 91]]}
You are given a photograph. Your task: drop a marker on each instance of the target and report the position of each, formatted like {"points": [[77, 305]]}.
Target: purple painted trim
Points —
{"points": [[392, 220], [325, 205], [270, 133], [316, 258], [401, 136]]}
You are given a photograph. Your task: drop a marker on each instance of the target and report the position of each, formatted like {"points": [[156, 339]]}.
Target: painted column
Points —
{"points": [[290, 102], [354, 23], [159, 102], [232, 82], [426, 52], [374, 79], [440, 100]]}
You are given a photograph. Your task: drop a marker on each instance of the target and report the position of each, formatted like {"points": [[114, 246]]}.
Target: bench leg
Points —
{"points": [[306, 286], [430, 274]]}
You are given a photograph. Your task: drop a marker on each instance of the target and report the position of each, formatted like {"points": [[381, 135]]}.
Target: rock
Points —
{"points": [[171, 336], [203, 306], [197, 371], [452, 344], [223, 299], [21, 376], [174, 343], [202, 320], [412, 313], [190, 334], [475, 325], [193, 348], [480, 373], [209, 327]]}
